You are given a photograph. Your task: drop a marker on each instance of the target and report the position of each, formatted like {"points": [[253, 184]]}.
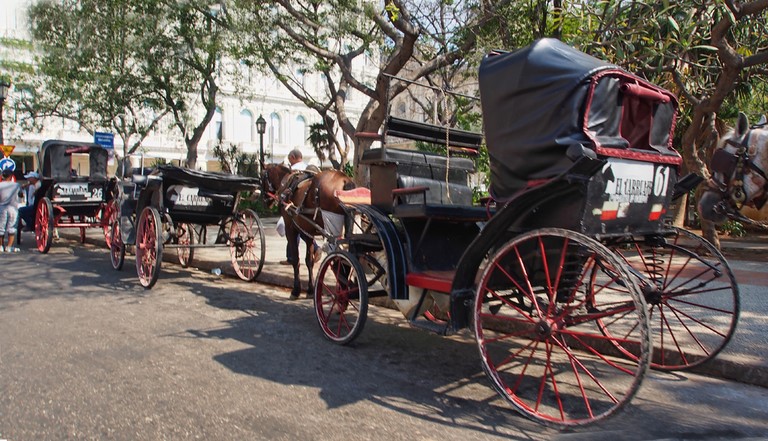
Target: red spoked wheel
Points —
{"points": [[149, 247], [341, 297], [185, 234], [692, 296], [109, 215], [247, 245], [44, 225], [535, 321], [116, 245]]}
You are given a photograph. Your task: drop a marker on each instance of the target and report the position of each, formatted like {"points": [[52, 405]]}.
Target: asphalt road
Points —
{"points": [[86, 353]]}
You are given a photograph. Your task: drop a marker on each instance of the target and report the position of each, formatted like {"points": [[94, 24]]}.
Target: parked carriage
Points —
{"points": [[574, 282], [67, 198], [172, 207]]}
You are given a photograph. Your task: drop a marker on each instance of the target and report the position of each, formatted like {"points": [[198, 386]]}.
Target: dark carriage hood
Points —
{"points": [[56, 163], [215, 181], [539, 100]]}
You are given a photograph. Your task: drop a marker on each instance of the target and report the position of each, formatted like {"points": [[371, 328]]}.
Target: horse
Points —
{"points": [[739, 165], [303, 209]]}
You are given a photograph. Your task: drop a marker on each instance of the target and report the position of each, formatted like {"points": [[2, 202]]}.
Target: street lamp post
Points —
{"points": [[4, 86], [261, 127]]}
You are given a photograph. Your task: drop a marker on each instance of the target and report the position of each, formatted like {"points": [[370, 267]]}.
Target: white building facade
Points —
{"points": [[238, 107]]}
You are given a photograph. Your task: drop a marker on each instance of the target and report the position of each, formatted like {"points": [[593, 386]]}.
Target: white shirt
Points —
{"points": [[301, 165]]}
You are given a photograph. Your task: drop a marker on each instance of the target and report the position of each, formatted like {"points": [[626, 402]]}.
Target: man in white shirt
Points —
{"points": [[297, 160]]}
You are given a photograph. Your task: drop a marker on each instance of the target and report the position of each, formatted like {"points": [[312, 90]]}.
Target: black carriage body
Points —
{"points": [[76, 195], [573, 99], [193, 196]]}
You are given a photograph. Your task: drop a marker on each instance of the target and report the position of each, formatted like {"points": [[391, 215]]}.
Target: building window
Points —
{"points": [[274, 129], [300, 132], [216, 126], [244, 128]]}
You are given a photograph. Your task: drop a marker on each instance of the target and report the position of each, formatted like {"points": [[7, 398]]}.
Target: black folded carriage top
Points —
{"points": [[419, 131], [214, 181], [541, 99]]}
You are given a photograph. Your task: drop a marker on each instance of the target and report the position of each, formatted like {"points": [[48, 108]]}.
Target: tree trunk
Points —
{"points": [[192, 156]]}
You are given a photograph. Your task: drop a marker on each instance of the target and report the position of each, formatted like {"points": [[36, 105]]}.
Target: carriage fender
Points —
{"points": [[393, 248]]}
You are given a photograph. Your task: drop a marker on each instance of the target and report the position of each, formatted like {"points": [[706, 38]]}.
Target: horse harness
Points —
{"points": [[735, 166], [289, 186]]}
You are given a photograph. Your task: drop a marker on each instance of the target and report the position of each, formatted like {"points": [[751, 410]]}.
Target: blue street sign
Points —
{"points": [[7, 164], [104, 139]]}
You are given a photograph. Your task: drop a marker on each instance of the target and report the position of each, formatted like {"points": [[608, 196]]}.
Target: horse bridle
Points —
{"points": [[270, 191], [742, 164]]}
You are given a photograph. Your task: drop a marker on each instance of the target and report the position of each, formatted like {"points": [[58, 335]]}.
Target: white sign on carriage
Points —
{"points": [[632, 182], [187, 196]]}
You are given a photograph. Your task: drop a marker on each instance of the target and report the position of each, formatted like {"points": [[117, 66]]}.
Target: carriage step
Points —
{"points": [[438, 328]]}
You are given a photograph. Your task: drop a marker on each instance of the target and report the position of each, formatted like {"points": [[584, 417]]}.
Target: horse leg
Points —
{"points": [[292, 237], [309, 259]]}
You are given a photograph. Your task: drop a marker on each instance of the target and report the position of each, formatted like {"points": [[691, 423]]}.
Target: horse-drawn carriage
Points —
{"points": [[172, 207], [574, 282], [68, 198]]}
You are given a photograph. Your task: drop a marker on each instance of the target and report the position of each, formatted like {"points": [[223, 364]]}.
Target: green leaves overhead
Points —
{"points": [[123, 64], [393, 12]]}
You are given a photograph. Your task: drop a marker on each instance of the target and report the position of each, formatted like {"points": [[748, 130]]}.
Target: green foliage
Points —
{"points": [[156, 162], [16, 43], [672, 44], [348, 169], [16, 66], [125, 64], [322, 142], [432, 41], [235, 162], [90, 68], [257, 204], [732, 228]]}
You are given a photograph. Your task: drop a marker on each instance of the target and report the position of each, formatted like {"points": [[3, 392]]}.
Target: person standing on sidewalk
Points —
{"points": [[9, 211]]}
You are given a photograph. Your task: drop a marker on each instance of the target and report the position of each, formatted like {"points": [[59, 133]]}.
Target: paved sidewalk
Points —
{"points": [[745, 359]]}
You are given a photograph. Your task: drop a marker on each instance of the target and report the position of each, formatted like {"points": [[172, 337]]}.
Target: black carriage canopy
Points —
{"points": [[213, 181], [56, 159], [541, 99]]}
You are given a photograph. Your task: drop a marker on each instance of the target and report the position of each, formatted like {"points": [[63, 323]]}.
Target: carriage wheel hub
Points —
{"points": [[653, 295], [545, 328]]}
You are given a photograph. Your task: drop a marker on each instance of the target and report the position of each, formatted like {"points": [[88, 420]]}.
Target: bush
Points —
{"points": [[733, 228], [258, 205]]}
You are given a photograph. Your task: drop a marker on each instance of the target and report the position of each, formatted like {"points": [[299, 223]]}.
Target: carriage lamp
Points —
{"points": [[4, 86], [261, 127]]}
